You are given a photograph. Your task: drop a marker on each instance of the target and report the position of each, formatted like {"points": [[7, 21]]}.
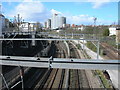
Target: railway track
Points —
{"points": [[77, 78], [31, 77], [62, 79], [31, 82], [58, 79], [110, 51], [54, 78]]}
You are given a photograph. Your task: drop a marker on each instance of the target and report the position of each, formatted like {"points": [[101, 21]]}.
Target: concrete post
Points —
{"points": [[33, 41], [98, 49], [67, 79], [65, 35], [83, 44], [72, 35]]}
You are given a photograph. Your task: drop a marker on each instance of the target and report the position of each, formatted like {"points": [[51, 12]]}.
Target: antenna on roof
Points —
{"points": [[95, 19]]}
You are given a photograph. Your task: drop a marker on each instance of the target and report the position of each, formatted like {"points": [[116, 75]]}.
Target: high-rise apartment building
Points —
{"points": [[57, 21], [49, 23], [54, 21]]}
